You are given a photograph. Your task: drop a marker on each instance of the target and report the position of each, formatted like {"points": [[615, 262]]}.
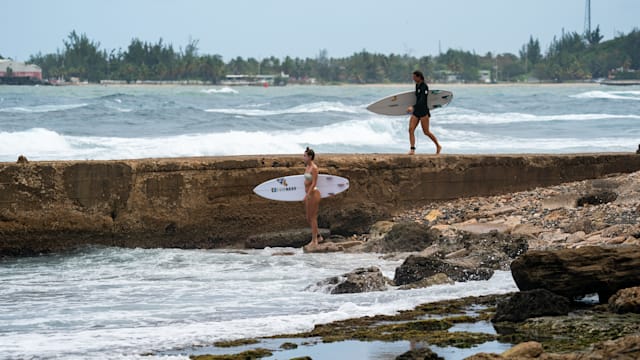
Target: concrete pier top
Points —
{"points": [[207, 202]]}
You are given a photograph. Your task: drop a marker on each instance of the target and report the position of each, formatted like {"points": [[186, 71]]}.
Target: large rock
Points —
{"points": [[578, 272], [623, 348], [419, 354], [357, 281], [494, 250], [351, 219], [529, 349], [291, 238], [626, 300], [407, 237], [597, 198], [532, 303], [416, 268]]}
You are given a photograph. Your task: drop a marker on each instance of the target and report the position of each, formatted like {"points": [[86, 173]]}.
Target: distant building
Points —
{"points": [[256, 80], [447, 76], [16, 69], [485, 76]]}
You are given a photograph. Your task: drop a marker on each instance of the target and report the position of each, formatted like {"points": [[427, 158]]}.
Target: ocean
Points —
{"points": [[128, 122], [113, 303]]}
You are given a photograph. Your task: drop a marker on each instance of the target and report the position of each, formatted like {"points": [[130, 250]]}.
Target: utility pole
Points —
{"points": [[587, 17]]}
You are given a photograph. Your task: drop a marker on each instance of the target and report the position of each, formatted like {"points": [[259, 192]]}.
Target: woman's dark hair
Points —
{"points": [[310, 153], [419, 74]]}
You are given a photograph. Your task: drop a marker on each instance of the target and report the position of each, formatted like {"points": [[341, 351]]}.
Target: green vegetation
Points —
{"points": [[572, 57], [234, 343], [429, 323], [245, 355]]}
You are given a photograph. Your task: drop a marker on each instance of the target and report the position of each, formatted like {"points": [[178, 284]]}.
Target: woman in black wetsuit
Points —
{"points": [[420, 113]]}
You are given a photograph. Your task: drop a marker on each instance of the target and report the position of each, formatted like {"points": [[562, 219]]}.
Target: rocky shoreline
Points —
{"points": [[506, 209], [573, 249]]}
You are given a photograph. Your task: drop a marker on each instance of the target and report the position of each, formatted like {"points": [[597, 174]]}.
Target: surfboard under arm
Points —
{"points": [[397, 104]]}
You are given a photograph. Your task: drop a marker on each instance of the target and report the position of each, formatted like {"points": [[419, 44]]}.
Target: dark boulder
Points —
{"points": [[419, 354], [577, 272], [357, 281], [351, 219], [597, 198], [416, 268], [407, 237], [533, 303]]}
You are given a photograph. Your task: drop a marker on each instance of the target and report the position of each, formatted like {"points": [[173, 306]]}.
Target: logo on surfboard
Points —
{"points": [[283, 182]]}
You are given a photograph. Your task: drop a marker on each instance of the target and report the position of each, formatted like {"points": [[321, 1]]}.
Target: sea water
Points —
{"points": [[125, 122], [103, 302]]}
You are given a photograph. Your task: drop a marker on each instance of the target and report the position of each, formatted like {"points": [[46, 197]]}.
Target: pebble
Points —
{"points": [[533, 211]]}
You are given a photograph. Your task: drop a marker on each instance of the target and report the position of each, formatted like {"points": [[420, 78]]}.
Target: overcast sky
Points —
{"points": [[301, 28]]}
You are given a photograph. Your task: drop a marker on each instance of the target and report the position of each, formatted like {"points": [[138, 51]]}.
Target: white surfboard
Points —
{"points": [[397, 104], [291, 188]]}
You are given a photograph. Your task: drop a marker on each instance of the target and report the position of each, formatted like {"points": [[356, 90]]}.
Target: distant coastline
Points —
{"points": [[448, 84]]}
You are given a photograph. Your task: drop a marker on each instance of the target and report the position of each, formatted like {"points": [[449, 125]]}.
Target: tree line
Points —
{"points": [[573, 56]]}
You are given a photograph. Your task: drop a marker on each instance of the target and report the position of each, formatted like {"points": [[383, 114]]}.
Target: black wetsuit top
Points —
{"points": [[420, 109]]}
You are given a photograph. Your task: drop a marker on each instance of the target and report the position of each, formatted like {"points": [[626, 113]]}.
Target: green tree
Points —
{"points": [[83, 58], [593, 36], [531, 54]]}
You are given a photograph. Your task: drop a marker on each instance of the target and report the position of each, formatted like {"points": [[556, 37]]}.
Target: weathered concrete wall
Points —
{"points": [[208, 202]]}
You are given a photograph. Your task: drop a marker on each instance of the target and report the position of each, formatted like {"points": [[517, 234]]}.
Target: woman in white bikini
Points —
{"points": [[312, 197]]}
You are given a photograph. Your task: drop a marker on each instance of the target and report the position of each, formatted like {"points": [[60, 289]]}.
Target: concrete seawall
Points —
{"points": [[209, 203]]}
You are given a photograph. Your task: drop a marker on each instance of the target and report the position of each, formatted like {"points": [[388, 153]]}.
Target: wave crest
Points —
{"points": [[317, 107], [609, 95], [42, 108]]}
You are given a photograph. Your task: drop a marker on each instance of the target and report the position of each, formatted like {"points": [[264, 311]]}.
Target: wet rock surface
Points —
{"points": [[579, 272], [530, 304], [291, 238], [626, 300], [357, 281], [416, 268]]}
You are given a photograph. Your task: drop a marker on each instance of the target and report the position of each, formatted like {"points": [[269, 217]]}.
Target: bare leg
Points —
{"points": [[306, 210], [425, 128], [313, 204], [413, 124]]}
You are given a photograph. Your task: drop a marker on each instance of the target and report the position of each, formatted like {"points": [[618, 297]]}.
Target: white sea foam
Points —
{"points": [[375, 134], [41, 108], [223, 90], [611, 95], [119, 108], [462, 141], [455, 115], [120, 303], [317, 107]]}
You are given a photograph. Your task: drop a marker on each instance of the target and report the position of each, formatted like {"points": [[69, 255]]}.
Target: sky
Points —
{"points": [[299, 28]]}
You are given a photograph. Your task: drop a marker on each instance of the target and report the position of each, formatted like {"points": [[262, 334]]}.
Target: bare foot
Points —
{"points": [[319, 239], [438, 149], [411, 152]]}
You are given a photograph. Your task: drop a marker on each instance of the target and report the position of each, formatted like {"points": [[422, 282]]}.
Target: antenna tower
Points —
{"points": [[587, 17]]}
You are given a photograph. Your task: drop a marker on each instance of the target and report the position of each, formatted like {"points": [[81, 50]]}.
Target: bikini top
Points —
{"points": [[308, 176]]}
